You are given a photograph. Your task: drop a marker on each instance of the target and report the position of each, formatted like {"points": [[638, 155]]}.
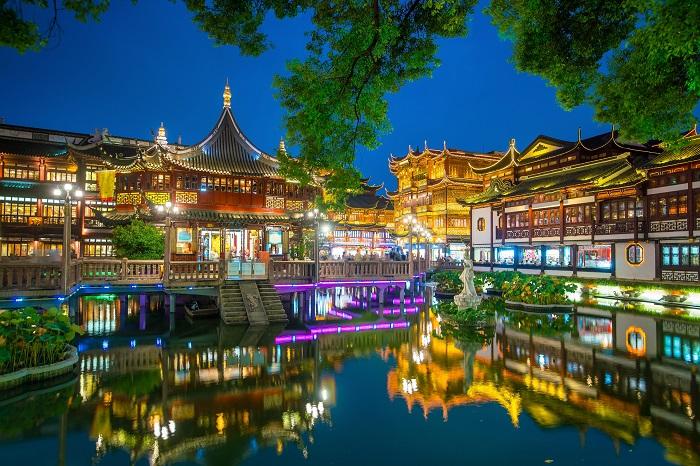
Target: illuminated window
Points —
{"points": [[635, 254], [61, 175], [636, 341], [481, 224], [20, 171]]}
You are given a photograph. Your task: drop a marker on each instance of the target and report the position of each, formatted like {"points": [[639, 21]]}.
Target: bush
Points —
{"points": [[495, 280], [447, 281], [31, 339], [537, 289], [138, 240]]}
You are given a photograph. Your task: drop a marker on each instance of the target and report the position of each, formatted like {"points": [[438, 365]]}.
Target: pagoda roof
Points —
{"points": [[368, 199], [544, 147], [116, 217], [414, 155], [225, 150], [687, 151], [611, 172]]}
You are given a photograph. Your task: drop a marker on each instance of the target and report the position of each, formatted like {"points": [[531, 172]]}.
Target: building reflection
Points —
{"points": [[205, 393], [625, 374], [210, 395]]}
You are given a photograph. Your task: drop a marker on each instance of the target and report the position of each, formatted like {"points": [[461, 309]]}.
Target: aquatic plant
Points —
{"points": [[447, 281], [537, 289], [29, 338]]}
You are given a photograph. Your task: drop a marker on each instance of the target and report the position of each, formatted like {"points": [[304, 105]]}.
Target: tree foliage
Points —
{"points": [[637, 62], [138, 240]]}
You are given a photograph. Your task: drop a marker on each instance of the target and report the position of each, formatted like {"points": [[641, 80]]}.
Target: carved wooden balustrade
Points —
{"points": [[17, 276], [37, 278]]}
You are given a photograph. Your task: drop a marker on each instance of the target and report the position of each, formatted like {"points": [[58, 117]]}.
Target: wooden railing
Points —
{"points": [[195, 271], [16, 277], [302, 271], [291, 271], [95, 271]]}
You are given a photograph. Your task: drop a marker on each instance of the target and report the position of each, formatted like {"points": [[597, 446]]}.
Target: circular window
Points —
{"points": [[636, 341], [635, 254], [481, 224]]}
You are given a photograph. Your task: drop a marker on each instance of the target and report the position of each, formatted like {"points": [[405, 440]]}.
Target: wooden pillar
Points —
{"points": [[529, 223], [690, 208], [561, 221]]}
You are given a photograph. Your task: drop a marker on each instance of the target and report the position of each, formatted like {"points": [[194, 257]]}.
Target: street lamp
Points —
{"points": [[168, 209], [68, 193], [316, 215]]}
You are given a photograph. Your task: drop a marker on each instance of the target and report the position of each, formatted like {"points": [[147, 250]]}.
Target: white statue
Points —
{"points": [[468, 297]]}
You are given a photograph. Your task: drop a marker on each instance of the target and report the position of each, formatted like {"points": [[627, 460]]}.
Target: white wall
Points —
{"points": [[644, 271], [481, 237]]}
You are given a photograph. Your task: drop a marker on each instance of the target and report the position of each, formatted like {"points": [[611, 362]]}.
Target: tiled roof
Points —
{"points": [[226, 150], [686, 153], [115, 217], [599, 175]]}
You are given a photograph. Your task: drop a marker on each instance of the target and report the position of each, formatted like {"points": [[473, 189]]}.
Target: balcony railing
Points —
{"points": [[621, 227], [31, 275]]}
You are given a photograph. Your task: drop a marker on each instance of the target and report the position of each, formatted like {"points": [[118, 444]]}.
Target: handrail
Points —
{"points": [[20, 275]]}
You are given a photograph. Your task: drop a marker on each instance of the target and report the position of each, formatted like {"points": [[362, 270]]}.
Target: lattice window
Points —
{"points": [[273, 202], [158, 198], [185, 197], [129, 198], [295, 205]]}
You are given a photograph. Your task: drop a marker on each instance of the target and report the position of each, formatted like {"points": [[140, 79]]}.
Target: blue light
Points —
{"points": [[19, 300], [132, 343], [189, 344], [159, 342], [61, 298], [106, 287], [132, 286], [105, 344]]}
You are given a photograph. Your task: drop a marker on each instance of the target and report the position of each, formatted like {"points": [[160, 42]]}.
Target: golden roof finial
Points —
{"points": [[512, 143], [161, 138], [282, 148], [227, 95]]}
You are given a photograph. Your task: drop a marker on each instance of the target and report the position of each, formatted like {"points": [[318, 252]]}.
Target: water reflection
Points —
{"points": [[153, 393]]}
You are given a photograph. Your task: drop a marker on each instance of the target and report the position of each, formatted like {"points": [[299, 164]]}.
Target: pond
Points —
{"points": [[593, 387]]}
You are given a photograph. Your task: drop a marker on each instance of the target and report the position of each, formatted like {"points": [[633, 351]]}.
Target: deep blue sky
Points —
{"points": [[149, 63]]}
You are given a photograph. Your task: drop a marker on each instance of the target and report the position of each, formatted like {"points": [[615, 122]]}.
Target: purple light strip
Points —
{"points": [[310, 286], [325, 330]]}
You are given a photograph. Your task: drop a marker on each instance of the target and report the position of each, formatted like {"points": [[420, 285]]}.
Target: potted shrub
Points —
{"points": [[539, 292], [447, 283], [35, 346]]}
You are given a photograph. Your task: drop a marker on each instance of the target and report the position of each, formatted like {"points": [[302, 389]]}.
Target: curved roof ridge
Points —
{"points": [[511, 153]]}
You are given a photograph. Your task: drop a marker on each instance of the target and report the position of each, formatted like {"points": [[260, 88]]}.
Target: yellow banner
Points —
{"points": [[106, 180]]}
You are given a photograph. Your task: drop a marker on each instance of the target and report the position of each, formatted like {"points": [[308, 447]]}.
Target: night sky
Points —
{"points": [[149, 63]]}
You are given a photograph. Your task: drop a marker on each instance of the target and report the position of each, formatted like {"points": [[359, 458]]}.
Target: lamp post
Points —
{"points": [[315, 215], [168, 208], [68, 193]]}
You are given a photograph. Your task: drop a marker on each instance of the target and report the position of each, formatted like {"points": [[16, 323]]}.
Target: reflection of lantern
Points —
{"points": [[636, 341]]}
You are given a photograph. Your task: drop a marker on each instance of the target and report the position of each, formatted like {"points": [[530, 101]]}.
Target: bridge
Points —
{"points": [[43, 277]]}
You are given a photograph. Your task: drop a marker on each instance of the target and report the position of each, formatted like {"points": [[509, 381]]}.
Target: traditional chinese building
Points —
{"points": [[430, 182], [33, 162], [226, 196], [594, 207], [365, 226]]}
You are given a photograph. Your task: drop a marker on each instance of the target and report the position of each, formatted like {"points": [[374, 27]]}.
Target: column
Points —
{"points": [[402, 298], [222, 254], [380, 301]]}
